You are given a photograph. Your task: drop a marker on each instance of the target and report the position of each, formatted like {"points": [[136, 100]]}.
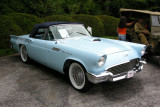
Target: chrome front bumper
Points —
{"points": [[108, 76]]}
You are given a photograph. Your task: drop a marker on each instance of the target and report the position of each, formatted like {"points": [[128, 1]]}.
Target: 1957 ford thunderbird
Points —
{"points": [[70, 49]]}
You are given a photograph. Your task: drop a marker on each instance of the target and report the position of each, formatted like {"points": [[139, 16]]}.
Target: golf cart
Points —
{"points": [[151, 22]]}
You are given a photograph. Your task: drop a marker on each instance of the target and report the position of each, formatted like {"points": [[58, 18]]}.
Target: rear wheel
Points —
{"points": [[24, 54], [78, 78]]}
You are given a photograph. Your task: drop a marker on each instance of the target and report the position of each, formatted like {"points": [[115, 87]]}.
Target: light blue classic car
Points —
{"points": [[70, 49]]}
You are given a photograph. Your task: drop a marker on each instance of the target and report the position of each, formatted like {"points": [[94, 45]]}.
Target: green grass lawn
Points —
{"points": [[110, 37], [5, 52]]}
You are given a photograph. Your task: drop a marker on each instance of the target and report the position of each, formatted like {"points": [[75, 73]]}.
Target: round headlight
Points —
{"points": [[143, 51], [101, 61]]}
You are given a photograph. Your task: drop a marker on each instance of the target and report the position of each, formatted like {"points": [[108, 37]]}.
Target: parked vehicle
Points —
{"points": [[152, 22], [68, 48]]}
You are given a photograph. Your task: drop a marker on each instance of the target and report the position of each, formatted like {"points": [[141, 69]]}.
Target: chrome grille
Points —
{"points": [[134, 62], [125, 67]]}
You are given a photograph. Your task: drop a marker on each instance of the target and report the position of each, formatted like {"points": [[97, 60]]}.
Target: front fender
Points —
{"points": [[75, 59], [133, 46], [137, 47]]}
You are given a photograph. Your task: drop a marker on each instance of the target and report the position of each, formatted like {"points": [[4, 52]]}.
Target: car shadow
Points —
{"points": [[50, 73], [154, 60]]}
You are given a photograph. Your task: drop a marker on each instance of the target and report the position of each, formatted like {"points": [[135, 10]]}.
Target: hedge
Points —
{"points": [[92, 21], [7, 27], [60, 18], [21, 23], [110, 24], [25, 21]]}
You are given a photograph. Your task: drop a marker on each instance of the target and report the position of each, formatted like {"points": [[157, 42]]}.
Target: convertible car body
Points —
{"points": [[69, 48]]}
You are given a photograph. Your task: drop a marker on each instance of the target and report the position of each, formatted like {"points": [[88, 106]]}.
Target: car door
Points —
{"points": [[54, 54], [36, 46]]}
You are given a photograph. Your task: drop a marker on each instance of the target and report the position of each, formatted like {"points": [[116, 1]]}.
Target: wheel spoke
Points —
{"points": [[78, 75]]}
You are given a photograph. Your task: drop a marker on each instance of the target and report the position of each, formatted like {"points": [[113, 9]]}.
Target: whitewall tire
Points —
{"points": [[24, 54], [78, 78]]}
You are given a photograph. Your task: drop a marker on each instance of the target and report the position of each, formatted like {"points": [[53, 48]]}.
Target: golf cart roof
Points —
{"points": [[140, 11]]}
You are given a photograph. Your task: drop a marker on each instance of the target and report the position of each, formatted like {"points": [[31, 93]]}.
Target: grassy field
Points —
{"points": [[9, 51]]}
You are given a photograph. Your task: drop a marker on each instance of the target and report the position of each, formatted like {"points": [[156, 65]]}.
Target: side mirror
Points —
{"points": [[89, 29]]}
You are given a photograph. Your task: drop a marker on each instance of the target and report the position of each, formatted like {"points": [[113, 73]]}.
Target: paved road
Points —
{"points": [[33, 85]]}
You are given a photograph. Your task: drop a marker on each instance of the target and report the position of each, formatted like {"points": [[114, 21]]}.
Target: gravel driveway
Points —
{"points": [[33, 85]]}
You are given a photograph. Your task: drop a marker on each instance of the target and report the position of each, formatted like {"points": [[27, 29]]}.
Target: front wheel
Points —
{"points": [[78, 78], [24, 54]]}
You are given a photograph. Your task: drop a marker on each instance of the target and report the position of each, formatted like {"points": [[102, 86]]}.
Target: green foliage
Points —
{"points": [[60, 18], [16, 24], [8, 51], [25, 21], [92, 21], [110, 37], [115, 5], [110, 24], [88, 7], [4, 9], [43, 8], [17, 6], [21, 23], [7, 27]]}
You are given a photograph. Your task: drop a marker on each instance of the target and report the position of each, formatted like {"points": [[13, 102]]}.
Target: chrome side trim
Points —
{"points": [[66, 53], [56, 49]]}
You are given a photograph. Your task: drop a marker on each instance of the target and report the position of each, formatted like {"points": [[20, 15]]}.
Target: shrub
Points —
{"points": [[60, 18], [110, 24], [25, 21], [7, 27], [92, 21]]}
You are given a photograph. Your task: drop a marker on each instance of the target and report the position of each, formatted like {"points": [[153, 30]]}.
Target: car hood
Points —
{"points": [[97, 45]]}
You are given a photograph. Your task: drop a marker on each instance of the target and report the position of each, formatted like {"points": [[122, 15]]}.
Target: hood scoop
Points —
{"points": [[96, 39]]}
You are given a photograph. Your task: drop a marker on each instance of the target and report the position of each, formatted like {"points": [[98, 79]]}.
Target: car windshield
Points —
{"points": [[68, 30], [155, 20]]}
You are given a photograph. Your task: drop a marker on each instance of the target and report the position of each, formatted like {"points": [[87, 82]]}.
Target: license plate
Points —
{"points": [[130, 74]]}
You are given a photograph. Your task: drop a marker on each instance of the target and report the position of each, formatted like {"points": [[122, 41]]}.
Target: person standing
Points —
{"points": [[121, 29]]}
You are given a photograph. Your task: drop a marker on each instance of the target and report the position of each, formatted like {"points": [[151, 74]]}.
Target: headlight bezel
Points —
{"points": [[102, 61]]}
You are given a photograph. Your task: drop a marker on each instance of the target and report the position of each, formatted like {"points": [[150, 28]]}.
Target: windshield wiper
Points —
{"points": [[81, 33]]}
